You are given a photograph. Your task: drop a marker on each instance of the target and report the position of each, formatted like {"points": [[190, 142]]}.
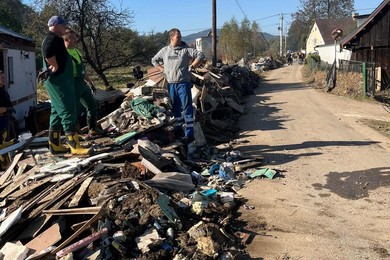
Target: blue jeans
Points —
{"points": [[181, 98]]}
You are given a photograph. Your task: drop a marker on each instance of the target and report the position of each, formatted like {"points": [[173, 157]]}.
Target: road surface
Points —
{"points": [[332, 199]]}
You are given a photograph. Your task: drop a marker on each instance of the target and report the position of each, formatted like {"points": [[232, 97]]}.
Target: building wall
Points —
{"points": [[327, 53], [374, 44], [314, 39], [20, 70]]}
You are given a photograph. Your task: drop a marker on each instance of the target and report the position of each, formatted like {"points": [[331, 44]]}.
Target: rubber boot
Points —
{"points": [[55, 144], [74, 145], [3, 142]]}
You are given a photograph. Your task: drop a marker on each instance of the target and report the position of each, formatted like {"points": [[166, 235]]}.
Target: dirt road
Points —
{"points": [[332, 201]]}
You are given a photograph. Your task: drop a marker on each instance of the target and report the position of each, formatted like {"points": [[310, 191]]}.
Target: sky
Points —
{"points": [[192, 16]]}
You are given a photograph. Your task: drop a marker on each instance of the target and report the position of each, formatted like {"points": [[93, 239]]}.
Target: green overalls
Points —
{"points": [[82, 91], [60, 88]]}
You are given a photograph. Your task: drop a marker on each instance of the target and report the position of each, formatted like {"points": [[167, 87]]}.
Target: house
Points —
{"points": [[370, 42], [17, 60], [320, 38]]}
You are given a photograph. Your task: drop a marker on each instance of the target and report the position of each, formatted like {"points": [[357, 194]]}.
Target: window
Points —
{"points": [[11, 78]]}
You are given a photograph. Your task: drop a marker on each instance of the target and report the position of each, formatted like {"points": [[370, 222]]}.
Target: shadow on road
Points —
{"points": [[357, 184], [272, 158]]}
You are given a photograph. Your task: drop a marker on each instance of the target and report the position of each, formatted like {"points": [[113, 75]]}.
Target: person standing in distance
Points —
{"points": [[177, 61], [61, 90]]}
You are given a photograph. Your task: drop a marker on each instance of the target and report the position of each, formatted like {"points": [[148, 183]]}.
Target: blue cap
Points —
{"points": [[54, 20]]}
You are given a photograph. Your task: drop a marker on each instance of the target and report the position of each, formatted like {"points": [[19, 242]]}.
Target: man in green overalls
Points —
{"points": [[83, 85], [60, 87]]}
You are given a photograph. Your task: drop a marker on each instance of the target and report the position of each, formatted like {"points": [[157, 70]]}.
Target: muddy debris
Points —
{"points": [[144, 194]]}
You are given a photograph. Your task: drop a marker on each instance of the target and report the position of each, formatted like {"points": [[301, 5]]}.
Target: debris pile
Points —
{"points": [[143, 194]]}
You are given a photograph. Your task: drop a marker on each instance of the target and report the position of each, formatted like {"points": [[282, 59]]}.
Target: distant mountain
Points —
{"points": [[192, 37]]}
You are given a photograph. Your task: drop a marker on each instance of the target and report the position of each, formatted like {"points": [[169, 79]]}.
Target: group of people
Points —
{"points": [[67, 86]]}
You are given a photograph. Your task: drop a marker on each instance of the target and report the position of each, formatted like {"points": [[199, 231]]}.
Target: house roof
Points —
{"points": [[326, 27], [361, 29], [7, 31]]}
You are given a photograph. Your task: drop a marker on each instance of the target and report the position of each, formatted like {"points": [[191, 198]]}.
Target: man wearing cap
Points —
{"points": [[60, 87]]}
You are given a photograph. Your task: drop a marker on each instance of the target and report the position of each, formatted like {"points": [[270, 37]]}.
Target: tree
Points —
{"points": [[237, 41], [13, 14], [309, 10]]}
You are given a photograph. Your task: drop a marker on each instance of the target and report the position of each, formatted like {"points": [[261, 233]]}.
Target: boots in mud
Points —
{"points": [[55, 144], [74, 144]]}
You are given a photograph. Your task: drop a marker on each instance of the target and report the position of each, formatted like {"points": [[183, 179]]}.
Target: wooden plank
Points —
{"points": [[79, 231], [15, 184], [21, 169], [47, 217], [62, 191], [76, 211], [29, 188], [8, 172], [77, 226], [47, 238], [76, 199]]}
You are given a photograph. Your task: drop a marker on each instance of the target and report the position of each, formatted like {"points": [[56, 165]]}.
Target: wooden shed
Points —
{"points": [[370, 42], [17, 60]]}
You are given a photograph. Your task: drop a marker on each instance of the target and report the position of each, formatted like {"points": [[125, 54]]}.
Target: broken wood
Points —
{"points": [[47, 238], [8, 172], [76, 199], [77, 211], [82, 243], [78, 232], [20, 193]]}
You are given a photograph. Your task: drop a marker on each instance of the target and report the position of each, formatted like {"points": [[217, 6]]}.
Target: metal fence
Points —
{"points": [[366, 68]]}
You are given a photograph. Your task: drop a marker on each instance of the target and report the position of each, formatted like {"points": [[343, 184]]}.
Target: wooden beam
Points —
{"points": [[76, 211], [76, 199], [8, 172]]}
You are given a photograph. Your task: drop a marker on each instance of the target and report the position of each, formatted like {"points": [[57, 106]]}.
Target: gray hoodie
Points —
{"points": [[176, 61]]}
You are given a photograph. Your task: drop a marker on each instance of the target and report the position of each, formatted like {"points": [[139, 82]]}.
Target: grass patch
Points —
{"points": [[382, 127]]}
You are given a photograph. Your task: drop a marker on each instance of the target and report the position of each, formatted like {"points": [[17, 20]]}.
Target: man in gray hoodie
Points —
{"points": [[176, 61]]}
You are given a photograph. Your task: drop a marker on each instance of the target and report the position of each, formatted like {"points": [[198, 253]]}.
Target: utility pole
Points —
{"points": [[214, 33], [285, 40], [281, 35]]}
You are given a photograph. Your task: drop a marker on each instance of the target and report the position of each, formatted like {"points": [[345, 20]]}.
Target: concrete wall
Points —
{"points": [[327, 53]]}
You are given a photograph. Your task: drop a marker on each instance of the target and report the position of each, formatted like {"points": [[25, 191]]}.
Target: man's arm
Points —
{"points": [[52, 61]]}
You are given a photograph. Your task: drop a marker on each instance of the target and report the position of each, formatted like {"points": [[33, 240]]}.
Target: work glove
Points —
{"points": [[93, 88], [43, 75], [10, 110]]}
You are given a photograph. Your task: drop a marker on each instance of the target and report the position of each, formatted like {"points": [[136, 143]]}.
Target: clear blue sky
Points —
{"points": [[192, 16]]}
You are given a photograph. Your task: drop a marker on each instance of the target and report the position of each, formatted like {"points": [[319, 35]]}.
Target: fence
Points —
{"points": [[366, 68]]}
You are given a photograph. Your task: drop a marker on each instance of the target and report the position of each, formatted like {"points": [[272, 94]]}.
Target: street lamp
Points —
{"points": [[336, 35], [331, 77]]}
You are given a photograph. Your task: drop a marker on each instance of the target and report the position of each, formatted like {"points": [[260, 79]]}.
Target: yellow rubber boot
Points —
{"points": [[3, 142], [75, 147], [55, 144]]}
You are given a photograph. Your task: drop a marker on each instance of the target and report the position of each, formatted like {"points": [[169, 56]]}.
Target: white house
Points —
{"points": [[320, 39], [17, 60]]}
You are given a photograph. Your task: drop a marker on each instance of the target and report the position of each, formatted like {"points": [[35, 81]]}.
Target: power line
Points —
{"points": [[242, 10]]}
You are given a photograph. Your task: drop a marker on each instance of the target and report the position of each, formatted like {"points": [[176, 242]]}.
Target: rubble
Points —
{"points": [[144, 194]]}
